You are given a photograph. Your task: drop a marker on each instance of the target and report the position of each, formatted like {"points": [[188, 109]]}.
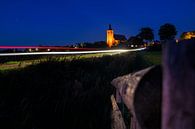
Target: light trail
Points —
{"points": [[47, 47], [72, 52]]}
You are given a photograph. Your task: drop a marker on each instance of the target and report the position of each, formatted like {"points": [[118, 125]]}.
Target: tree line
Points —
{"points": [[166, 32]]}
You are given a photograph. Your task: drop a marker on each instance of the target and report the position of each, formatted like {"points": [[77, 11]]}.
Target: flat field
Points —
{"points": [[13, 63], [9, 63], [65, 93]]}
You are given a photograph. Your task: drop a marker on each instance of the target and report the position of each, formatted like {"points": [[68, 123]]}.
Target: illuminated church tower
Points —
{"points": [[110, 37]]}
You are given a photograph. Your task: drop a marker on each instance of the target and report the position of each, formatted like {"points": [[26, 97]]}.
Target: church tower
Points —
{"points": [[110, 36]]}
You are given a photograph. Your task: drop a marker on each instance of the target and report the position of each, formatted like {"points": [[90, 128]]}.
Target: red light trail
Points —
{"points": [[47, 47]]}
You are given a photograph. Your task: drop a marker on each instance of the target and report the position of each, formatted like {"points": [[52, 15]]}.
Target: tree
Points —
{"points": [[146, 33], [100, 44], [167, 32], [135, 40]]}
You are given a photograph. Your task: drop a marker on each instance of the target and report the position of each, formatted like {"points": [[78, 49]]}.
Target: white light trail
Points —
{"points": [[72, 52]]}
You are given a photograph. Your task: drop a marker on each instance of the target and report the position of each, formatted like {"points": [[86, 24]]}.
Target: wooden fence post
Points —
{"points": [[179, 85], [117, 119], [141, 93]]}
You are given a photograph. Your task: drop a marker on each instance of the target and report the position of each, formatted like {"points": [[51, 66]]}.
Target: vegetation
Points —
{"points": [[152, 57], [167, 32], [8, 63], [134, 40], [146, 33], [61, 94], [98, 44]]}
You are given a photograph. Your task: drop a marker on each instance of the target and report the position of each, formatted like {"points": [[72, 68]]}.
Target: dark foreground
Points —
{"points": [[69, 94]]}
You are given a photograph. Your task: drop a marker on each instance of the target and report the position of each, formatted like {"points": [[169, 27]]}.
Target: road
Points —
{"points": [[73, 52]]}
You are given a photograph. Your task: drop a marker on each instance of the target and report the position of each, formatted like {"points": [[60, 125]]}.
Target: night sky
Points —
{"points": [[59, 22]]}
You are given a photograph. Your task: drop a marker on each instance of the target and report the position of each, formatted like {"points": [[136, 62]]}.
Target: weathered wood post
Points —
{"points": [[141, 93], [117, 119], [179, 85]]}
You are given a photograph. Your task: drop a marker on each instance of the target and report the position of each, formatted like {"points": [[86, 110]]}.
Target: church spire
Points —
{"points": [[110, 27]]}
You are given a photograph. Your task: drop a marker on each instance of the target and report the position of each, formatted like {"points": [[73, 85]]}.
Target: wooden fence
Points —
{"points": [[162, 97]]}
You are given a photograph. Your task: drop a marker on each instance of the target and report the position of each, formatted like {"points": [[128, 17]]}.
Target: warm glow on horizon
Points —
{"points": [[188, 35]]}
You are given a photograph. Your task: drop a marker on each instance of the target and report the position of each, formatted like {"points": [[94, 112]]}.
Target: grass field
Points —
{"points": [[153, 57], [150, 57], [70, 93], [10, 64]]}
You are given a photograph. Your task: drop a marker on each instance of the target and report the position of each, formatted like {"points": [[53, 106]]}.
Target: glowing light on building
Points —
{"points": [[188, 35], [114, 39], [110, 37]]}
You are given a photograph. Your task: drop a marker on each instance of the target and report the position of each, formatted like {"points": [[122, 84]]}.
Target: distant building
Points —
{"points": [[188, 35], [114, 39], [119, 38]]}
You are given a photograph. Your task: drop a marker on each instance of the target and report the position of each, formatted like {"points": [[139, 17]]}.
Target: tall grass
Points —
{"points": [[63, 94]]}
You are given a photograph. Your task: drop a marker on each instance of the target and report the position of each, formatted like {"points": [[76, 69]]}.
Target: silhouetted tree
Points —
{"points": [[183, 35], [167, 32], [146, 33], [135, 40], [88, 45], [100, 44]]}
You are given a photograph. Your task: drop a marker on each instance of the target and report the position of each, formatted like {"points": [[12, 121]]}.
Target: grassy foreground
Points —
{"points": [[15, 62], [64, 94]]}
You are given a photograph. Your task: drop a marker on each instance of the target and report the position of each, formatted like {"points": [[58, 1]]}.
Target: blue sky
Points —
{"points": [[58, 22]]}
